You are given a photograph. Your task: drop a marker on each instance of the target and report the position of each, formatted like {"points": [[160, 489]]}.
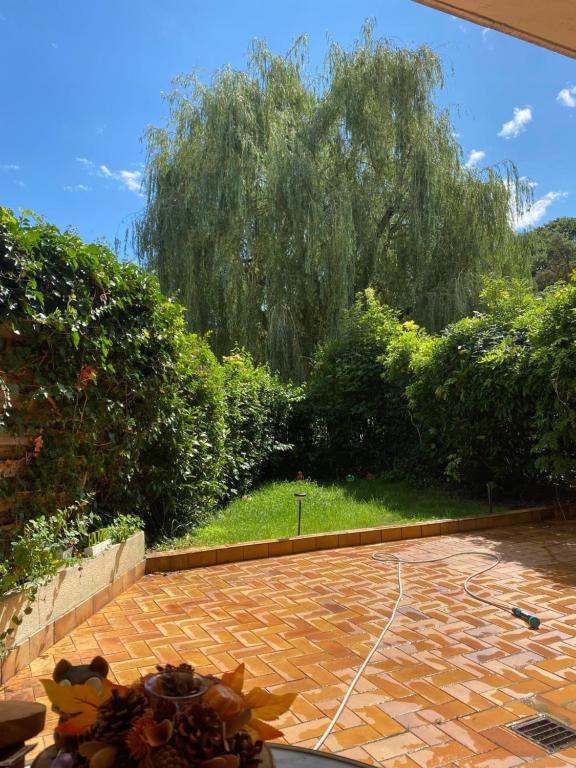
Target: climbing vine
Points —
{"points": [[118, 400], [88, 369]]}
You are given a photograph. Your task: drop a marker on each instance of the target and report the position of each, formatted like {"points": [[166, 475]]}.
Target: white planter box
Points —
{"points": [[97, 549], [71, 587]]}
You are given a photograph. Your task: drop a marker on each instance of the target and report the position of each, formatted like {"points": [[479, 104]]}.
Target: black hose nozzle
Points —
{"points": [[533, 621]]}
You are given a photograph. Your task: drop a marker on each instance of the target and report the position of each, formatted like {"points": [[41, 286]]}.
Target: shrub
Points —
{"points": [[551, 382], [120, 401], [181, 472], [257, 407], [492, 399], [123, 527], [36, 553], [465, 392], [105, 347], [467, 400], [358, 415]]}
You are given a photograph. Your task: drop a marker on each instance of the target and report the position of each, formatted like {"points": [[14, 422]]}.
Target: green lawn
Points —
{"points": [[271, 511]]}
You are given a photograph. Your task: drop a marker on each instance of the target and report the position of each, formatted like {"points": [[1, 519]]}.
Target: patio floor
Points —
{"points": [[450, 675]]}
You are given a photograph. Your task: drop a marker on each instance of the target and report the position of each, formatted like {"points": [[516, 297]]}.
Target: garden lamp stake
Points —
{"points": [[299, 496], [490, 487]]}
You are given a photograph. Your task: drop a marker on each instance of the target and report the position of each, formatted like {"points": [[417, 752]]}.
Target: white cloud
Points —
{"points": [[520, 119], [130, 180], [487, 39], [77, 188], [567, 97], [11, 168], [474, 158], [536, 212], [462, 27], [54, 45]]}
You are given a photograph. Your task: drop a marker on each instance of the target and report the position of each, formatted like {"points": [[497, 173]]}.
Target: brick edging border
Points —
{"points": [[178, 560]]}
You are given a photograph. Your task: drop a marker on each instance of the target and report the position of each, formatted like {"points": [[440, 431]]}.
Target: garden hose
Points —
{"points": [[389, 557]]}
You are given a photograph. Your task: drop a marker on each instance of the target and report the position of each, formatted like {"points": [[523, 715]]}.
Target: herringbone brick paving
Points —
{"points": [[449, 676]]}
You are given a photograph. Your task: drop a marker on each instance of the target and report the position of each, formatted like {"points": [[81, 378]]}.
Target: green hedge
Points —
{"points": [[491, 399], [258, 408], [128, 405], [466, 396], [355, 424]]}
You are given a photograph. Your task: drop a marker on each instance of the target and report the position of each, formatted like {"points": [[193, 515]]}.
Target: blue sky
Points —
{"points": [[81, 81]]}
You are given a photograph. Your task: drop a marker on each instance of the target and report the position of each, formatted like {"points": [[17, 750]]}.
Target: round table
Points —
{"points": [[298, 757], [284, 757]]}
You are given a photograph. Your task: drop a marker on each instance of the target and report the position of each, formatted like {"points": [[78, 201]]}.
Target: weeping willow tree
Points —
{"points": [[273, 197]]}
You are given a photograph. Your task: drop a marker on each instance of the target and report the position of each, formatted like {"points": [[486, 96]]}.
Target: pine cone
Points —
{"points": [[139, 685], [247, 750], [199, 733], [117, 715], [164, 757], [178, 681], [171, 668]]}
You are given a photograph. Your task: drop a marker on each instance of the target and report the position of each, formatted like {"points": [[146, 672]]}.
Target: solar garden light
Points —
{"points": [[299, 496], [490, 487]]}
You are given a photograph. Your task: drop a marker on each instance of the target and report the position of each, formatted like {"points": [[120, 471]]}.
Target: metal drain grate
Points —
{"points": [[546, 732]]}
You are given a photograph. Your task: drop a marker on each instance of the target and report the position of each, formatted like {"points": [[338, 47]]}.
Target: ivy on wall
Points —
{"points": [[122, 402]]}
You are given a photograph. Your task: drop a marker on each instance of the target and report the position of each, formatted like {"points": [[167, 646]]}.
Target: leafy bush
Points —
{"points": [[551, 382], [36, 553], [257, 407], [180, 477], [105, 346], [120, 400], [123, 527], [358, 415], [492, 399], [466, 397]]}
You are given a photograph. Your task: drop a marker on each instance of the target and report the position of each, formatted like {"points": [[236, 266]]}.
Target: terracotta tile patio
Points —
{"points": [[450, 675]]}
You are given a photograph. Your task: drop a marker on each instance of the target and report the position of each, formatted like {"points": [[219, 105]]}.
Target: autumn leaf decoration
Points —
{"points": [[248, 712], [221, 727], [79, 703]]}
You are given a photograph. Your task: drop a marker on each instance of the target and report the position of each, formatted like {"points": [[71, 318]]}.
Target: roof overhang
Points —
{"points": [[549, 23]]}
